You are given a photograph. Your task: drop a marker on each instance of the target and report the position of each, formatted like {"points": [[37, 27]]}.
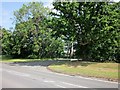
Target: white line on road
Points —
{"points": [[63, 74], [60, 86], [49, 81], [17, 73], [74, 85], [97, 79]]}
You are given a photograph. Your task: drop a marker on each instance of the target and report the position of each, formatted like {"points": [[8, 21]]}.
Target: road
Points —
{"points": [[37, 76]]}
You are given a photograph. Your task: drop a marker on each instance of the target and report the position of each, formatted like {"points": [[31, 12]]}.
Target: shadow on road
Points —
{"points": [[46, 63], [39, 63]]}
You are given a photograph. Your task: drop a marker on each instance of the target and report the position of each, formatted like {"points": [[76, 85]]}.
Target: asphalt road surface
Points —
{"points": [[37, 76]]}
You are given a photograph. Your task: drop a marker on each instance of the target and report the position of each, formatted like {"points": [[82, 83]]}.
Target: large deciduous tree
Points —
{"points": [[94, 25]]}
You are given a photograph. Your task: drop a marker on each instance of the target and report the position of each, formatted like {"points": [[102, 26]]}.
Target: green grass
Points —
{"points": [[19, 60], [9, 59], [23, 60], [91, 69]]}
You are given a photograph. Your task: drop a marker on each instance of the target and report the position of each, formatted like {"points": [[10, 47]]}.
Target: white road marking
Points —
{"points": [[49, 81], [97, 80], [74, 85], [58, 73], [17, 73], [60, 86]]}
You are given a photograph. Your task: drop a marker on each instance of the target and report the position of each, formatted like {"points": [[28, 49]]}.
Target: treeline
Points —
{"points": [[40, 32], [32, 37]]}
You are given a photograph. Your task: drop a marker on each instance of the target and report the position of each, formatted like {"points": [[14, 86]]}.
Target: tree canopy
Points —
{"points": [[94, 25], [32, 37]]}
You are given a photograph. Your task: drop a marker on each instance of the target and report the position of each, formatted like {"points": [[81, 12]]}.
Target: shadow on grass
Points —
{"points": [[80, 63], [4, 57]]}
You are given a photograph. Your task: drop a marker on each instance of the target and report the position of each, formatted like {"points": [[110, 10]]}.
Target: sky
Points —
{"points": [[7, 7]]}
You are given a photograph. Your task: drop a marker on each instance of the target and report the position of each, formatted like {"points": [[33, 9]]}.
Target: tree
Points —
{"points": [[94, 25], [32, 37], [0, 40], [5, 39]]}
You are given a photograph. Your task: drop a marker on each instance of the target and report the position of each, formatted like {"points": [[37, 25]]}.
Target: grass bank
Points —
{"points": [[107, 71]]}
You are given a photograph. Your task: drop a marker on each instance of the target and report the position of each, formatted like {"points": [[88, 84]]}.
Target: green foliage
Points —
{"points": [[94, 25], [5, 39], [32, 37]]}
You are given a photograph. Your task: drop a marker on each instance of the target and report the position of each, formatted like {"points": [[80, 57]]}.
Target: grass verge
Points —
{"points": [[107, 71], [24, 60], [9, 59]]}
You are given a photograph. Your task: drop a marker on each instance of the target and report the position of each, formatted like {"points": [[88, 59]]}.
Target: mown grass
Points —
{"points": [[24, 60], [9, 59], [91, 69]]}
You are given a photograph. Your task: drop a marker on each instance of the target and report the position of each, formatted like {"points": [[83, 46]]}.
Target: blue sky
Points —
{"points": [[7, 9], [8, 6], [7, 12]]}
